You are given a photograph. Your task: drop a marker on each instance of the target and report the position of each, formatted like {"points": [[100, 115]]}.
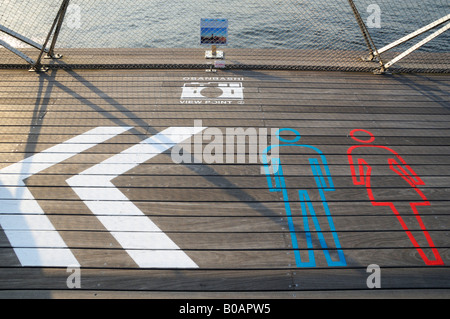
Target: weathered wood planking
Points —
{"points": [[231, 280], [222, 214]]}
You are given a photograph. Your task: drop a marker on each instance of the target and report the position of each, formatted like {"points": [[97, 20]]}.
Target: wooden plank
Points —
{"points": [[246, 259], [62, 133], [148, 83], [268, 97], [252, 240], [224, 280], [246, 110], [142, 180], [240, 137], [286, 296], [146, 115], [249, 89], [269, 123], [246, 224], [231, 194], [248, 209], [334, 146], [236, 170]]}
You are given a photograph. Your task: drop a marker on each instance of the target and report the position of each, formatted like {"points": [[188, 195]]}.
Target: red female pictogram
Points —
{"points": [[362, 174]]}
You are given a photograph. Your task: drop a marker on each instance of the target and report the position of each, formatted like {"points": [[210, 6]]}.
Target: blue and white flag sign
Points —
{"points": [[214, 31]]}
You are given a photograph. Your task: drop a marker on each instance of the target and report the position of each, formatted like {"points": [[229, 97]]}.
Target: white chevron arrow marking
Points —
{"points": [[37, 243], [146, 244]]}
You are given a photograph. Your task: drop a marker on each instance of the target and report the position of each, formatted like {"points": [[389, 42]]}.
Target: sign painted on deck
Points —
{"points": [[212, 92]]}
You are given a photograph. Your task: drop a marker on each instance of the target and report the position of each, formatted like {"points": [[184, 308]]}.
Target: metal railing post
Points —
{"points": [[369, 41], [51, 54], [37, 66]]}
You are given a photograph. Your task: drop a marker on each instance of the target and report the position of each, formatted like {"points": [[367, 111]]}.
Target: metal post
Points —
{"points": [[361, 25], [37, 66], [56, 27], [369, 41], [51, 54]]}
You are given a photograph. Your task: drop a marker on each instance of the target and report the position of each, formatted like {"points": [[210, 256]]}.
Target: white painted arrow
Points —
{"points": [[146, 244], [38, 243]]}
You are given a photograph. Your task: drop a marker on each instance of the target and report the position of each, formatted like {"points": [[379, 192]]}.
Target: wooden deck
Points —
{"points": [[220, 216]]}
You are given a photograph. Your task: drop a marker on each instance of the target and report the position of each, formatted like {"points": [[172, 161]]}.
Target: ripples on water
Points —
{"points": [[287, 24]]}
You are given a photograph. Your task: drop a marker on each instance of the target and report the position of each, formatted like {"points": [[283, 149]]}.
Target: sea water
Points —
{"points": [[278, 24]]}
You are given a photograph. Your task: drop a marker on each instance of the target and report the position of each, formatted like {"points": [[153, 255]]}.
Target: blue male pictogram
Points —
{"points": [[322, 183]]}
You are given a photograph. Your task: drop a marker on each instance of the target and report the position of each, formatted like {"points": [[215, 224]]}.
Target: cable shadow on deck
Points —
{"points": [[426, 90]]}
